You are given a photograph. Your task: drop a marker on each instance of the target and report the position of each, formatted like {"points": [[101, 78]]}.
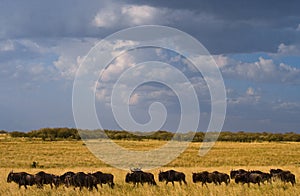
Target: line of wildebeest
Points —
{"points": [[137, 176]]}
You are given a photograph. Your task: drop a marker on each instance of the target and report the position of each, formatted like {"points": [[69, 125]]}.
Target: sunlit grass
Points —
{"points": [[62, 156]]}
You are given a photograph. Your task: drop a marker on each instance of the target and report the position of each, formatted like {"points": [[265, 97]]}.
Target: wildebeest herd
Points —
{"points": [[79, 179], [137, 176]]}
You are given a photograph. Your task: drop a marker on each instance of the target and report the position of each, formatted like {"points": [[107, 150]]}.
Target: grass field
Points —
{"points": [[60, 156]]}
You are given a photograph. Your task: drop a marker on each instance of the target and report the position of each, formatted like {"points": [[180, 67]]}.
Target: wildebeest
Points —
{"points": [[171, 176], [66, 178], [248, 178], [205, 177], [233, 173], [264, 176], [141, 177], [222, 177], [42, 178], [284, 175], [21, 178], [104, 178], [80, 179]]}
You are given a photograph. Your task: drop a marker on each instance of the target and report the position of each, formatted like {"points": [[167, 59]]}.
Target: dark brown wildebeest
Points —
{"points": [[248, 178], [264, 176], [80, 179], [66, 178], [284, 175], [90, 182], [205, 177], [233, 173], [21, 178], [104, 178], [288, 177], [141, 177], [42, 178], [171, 176], [222, 177]]}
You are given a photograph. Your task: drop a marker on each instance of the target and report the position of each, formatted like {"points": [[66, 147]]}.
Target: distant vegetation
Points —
{"points": [[52, 134]]}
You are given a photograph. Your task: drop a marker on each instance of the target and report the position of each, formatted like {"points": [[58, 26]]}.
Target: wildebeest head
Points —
{"points": [[10, 176], [162, 176], [128, 178], [194, 177]]}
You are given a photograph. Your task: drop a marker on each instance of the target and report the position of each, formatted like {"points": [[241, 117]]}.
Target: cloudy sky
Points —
{"points": [[256, 45]]}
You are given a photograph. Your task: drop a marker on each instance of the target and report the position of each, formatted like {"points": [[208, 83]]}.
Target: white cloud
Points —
{"points": [[221, 60], [250, 97], [263, 70], [286, 105], [105, 18], [138, 15], [67, 66], [250, 91], [120, 64], [288, 50], [37, 69], [7, 45]]}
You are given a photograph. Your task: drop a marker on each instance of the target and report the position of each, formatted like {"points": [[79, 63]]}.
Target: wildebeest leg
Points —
{"points": [[51, 185], [180, 182], [95, 185]]}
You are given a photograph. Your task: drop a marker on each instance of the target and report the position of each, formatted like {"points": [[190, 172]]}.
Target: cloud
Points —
{"points": [[263, 70], [106, 18], [249, 97], [286, 106], [288, 50], [7, 45], [139, 15], [220, 27]]}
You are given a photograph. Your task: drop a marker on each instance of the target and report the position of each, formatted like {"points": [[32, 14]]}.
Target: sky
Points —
{"points": [[255, 44]]}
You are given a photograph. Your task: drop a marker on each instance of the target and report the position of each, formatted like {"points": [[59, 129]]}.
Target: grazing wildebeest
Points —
{"points": [[21, 178], [137, 177], [248, 178], [42, 178], [233, 173], [171, 176], [77, 180], [66, 178], [264, 176], [288, 177], [104, 178], [80, 179], [90, 182], [205, 177], [284, 175], [222, 177]]}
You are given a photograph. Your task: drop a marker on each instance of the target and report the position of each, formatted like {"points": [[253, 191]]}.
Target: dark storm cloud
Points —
{"points": [[223, 27], [243, 26], [233, 9], [35, 18]]}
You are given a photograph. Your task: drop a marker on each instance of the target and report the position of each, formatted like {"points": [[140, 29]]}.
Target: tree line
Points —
{"points": [[53, 134]]}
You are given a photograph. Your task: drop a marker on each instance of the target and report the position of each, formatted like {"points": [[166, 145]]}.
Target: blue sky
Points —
{"points": [[256, 45]]}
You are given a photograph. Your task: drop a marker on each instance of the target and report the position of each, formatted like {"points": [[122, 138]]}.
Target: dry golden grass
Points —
{"points": [[61, 156]]}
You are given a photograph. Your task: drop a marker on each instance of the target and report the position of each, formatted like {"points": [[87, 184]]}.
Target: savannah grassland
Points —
{"points": [[58, 157]]}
